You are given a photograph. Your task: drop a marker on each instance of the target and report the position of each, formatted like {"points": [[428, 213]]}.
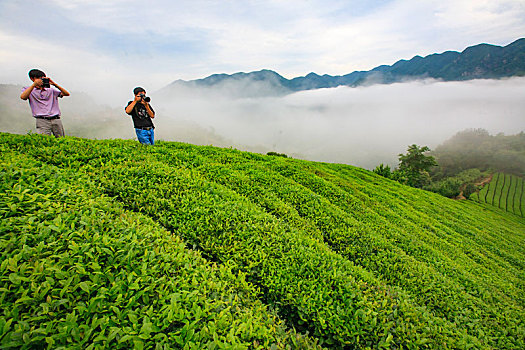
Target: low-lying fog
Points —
{"points": [[361, 126]]}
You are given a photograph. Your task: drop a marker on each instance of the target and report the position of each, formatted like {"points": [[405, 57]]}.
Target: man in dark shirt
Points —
{"points": [[141, 112]]}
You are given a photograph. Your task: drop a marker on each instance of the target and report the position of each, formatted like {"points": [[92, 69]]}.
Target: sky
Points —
{"points": [[106, 48]]}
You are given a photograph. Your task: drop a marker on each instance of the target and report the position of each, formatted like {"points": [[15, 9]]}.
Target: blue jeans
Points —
{"points": [[146, 137]]}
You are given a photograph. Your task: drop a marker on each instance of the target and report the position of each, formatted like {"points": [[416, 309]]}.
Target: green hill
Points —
{"points": [[113, 244]]}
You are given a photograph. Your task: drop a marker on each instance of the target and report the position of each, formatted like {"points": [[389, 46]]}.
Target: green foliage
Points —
{"points": [[470, 188], [413, 168], [415, 165], [475, 151], [383, 171], [277, 154], [476, 148], [449, 187], [217, 248], [79, 270], [453, 186]]}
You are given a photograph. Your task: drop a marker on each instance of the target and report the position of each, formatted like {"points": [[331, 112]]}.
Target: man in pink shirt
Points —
{"points": [[43, 101]]}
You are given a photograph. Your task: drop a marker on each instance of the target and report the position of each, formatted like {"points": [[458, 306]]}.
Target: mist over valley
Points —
{"points": [[363, 118], [362, 126]]}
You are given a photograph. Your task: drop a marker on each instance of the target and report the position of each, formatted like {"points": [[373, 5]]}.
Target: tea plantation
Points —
{"points": [[111, 244], [505, 191]]}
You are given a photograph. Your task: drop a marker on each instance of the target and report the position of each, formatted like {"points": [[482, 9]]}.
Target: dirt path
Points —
{"points": [[480, 182], [485, 180]]}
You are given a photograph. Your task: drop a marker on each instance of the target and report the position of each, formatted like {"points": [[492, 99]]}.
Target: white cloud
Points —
{"points": [[362, 126]]}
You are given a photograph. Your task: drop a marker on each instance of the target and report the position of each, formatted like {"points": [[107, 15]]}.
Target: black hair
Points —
{"points": [[137, 90], [36, 73]]}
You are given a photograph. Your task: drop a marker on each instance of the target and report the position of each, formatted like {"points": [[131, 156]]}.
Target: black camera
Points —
{"points": [[45, 82], [145, 98]]}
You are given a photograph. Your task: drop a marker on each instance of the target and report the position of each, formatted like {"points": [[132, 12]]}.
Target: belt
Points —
{"points": [[145, 127], [47, 118]]}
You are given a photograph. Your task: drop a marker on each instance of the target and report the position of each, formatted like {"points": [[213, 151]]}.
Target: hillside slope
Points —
{"points": [[284, 247]]}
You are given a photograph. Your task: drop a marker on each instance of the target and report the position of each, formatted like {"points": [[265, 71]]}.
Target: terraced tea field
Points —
{"points": [[506, 192], [110, 244]]}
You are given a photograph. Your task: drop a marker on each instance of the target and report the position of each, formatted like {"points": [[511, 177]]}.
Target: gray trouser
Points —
{"points": [[49, 127]]}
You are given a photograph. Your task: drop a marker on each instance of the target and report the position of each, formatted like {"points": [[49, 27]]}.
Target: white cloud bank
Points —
{"points": [[362, 126]]}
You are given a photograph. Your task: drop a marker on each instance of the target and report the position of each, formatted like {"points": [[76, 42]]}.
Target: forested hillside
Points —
{"points": [[466, 163], [476, 148], [114, 244]]}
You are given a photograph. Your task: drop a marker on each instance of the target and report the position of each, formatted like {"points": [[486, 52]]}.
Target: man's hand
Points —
{"points": [[37, 83], [149, 110], [142, 100], [63, 92], [132, 105]]}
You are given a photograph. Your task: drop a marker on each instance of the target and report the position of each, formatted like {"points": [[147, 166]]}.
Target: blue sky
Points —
{"points": [[108, 47]]}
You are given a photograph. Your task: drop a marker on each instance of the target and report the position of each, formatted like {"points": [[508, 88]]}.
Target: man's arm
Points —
{"points": [[63, 92], [150, 111], [25, 94], [130, 107]]}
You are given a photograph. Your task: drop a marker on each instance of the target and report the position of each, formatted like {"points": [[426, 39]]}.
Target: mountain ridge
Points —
{"points": [[482, 61]]}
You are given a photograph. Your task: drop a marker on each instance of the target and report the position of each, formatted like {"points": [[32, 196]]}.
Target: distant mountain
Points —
{"points": [[261, 83], [481, 61]]}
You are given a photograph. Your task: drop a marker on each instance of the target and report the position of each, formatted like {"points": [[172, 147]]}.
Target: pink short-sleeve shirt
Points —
{"points": [[44, 103]]}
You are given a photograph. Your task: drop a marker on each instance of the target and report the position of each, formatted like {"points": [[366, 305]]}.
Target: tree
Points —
{"points": [[469, 189], [415, 166], [383, 170]]}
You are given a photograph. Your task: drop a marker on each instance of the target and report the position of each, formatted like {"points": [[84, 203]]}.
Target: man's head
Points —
{"points": [[36, 74], [138, 90]]}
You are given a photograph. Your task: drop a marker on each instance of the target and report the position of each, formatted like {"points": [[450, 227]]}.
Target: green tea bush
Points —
{"points": [[355, 260], [77, 270]]}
